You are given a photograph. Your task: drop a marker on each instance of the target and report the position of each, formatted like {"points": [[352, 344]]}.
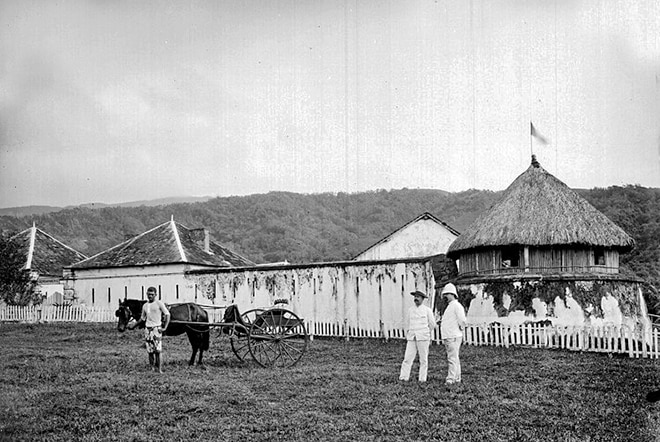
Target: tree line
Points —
{"points": [[299, 228]]}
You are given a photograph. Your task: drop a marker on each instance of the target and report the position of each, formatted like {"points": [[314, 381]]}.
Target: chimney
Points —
{"points": [[202, 238]]}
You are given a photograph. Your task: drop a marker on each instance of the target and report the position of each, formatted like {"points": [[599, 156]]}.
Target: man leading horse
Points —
{"points": [[152, 313], [188, 318]]}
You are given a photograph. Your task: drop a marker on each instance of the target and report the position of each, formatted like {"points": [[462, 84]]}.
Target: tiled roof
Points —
{"points": [[168, 243], [44, 254]]}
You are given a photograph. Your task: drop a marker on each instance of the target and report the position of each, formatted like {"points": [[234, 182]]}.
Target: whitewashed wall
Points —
{"points": [[424, 237], [112, 284], [366, 295], [566, 312], [369, 295]]}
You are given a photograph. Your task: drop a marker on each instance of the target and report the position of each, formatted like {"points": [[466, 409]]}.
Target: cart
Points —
{"points": [[272, 337]]}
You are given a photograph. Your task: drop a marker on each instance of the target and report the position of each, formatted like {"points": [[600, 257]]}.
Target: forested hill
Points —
{"points": [[268, 227], [323, 227]]}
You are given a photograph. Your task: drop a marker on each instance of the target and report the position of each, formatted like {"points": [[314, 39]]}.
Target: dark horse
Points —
{"points": [[181, 317]]}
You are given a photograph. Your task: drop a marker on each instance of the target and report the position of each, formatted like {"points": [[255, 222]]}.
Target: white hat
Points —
{"points": [[450, 288]]}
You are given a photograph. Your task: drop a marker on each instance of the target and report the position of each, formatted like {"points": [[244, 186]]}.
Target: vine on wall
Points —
{"points": [[587, 294]]}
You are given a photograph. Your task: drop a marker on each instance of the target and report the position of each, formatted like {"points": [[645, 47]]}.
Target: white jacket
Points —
{"points": [[420, 323], [453, 321]]}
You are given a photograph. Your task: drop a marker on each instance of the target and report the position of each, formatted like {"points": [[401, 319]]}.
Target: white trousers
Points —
{"points": [[412, 348], [453, 346]]}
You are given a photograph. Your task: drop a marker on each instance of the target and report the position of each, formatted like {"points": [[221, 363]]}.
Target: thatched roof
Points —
{"points": [[539, 210]]}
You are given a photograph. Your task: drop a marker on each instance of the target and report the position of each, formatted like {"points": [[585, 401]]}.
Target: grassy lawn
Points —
{"points": [[88, 382]]}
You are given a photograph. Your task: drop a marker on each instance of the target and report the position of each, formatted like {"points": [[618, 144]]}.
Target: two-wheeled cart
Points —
{"points": [[273, 337]]}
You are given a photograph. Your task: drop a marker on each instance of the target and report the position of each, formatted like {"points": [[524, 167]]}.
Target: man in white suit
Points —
{"points": [[451, 330], [420, 323]]}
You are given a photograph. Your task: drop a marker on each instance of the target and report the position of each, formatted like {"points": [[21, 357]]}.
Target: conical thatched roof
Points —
{"points": [[539, 210]]}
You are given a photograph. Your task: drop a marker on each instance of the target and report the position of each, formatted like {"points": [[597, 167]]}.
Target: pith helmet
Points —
{"points": [[449, 288]]}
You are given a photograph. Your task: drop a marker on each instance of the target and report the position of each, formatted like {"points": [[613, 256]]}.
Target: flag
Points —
{"points": [[541, 139]]}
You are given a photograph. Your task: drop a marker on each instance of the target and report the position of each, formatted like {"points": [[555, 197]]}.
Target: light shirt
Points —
{"points": [[420, 323], [453, 320], [152, 313]]}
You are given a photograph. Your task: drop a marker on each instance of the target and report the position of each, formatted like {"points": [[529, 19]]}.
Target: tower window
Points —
{"points": [[510, 257]]}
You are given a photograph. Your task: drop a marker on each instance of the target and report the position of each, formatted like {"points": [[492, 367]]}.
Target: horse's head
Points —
{"points": [[124, 315]]}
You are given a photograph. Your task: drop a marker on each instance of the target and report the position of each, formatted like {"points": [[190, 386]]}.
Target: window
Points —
{"points": [[510, 257], [108, 295], [599, 256], [177, 291], [125, 292], [143, 293], [92, 296]]}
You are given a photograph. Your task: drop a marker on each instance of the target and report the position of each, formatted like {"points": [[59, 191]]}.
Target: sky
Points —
{"points": [[113, 101]]}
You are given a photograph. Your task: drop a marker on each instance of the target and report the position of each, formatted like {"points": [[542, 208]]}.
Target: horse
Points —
{"points": [[198, 335]]}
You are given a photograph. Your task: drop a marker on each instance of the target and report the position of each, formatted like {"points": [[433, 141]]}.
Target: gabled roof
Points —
{"points": [[168, 243], [44, 254], [423, 216], [537, 209]]}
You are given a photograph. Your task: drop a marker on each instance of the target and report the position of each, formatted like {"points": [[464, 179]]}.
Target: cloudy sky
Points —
{"points": [[113, 101]]}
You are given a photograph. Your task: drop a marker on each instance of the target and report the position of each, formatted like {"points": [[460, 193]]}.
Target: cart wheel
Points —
{"points": [[277, 338], [239, 336]]}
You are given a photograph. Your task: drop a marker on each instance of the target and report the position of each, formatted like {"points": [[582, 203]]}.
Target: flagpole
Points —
{"points": [[531, 150]]}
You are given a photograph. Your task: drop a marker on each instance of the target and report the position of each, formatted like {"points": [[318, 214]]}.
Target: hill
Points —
{"points": [[39, 210], [28, 210], [281, 226]]}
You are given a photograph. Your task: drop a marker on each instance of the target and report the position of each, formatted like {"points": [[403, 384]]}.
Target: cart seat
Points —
{"points": [[233, 316]]}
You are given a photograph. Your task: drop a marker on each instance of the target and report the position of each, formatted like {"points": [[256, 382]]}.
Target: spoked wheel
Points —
{"points": [[277, 338], [240, 332]]}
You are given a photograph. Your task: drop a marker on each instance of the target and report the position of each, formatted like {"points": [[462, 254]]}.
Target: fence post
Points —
{"points": [[310, 330], [346, 331], [644, 336]]}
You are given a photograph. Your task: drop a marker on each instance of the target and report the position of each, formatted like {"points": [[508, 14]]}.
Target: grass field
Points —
{"points": [[88, 382]]}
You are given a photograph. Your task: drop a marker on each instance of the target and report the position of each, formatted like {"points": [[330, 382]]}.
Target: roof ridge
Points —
{"points": [[182, 253], [33, 237]]}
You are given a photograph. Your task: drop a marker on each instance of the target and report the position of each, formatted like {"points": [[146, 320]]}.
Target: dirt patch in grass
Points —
{"points": [[88, 382]]}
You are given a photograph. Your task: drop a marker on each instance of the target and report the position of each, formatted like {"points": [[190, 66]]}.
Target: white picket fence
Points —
{"points": [[606, 339], [609, 339], [602, 339], [53, 313]]}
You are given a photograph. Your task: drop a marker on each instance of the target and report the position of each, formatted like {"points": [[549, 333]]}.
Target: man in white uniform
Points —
{"points": [[420, 323], [451, 330]]}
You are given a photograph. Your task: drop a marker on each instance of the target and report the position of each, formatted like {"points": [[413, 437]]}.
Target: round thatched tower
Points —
{"points": [[543, 252]]}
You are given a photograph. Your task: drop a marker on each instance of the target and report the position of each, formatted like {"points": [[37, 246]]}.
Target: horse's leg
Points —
{"points": [[193, 344]]}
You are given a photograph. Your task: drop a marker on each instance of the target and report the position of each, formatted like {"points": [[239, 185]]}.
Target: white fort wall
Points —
{"points": [[104, 288], [370, 296]]}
